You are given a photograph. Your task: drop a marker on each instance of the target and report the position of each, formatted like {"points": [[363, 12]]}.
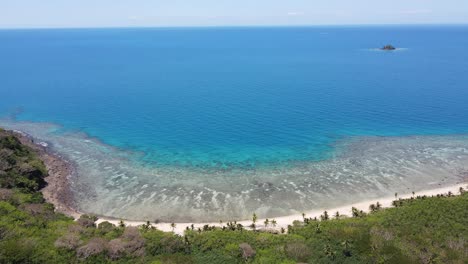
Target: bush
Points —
{"points": [[247, 251], [68, 241], [297, 251], [87, 221], [94, 247]]}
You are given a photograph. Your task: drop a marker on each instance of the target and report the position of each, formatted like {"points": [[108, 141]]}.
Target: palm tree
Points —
{"points": [[253, 226], [396, 195], [266, 222], [325, 216], [254, 218], [378, 206], [337, 215], [121, 223], [355, 212], [273, 222], [303, 216], [461, 190], [173, 226], [283, 230], [372, 208]]}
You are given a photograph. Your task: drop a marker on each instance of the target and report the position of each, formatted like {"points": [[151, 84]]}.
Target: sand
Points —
{"points": [[284, 221]]}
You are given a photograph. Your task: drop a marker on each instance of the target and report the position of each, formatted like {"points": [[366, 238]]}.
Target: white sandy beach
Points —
{"points": [[284, 221]]}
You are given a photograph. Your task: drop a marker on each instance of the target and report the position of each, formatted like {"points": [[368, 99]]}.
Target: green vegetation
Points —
{"points": [[417, 230]]}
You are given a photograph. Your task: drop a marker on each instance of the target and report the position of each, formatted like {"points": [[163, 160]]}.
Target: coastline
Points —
{"points": [[57, 191], [59, 194], [284, 221]]}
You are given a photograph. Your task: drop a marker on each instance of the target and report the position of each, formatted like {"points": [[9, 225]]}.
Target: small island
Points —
{"points": [[388, 47]]}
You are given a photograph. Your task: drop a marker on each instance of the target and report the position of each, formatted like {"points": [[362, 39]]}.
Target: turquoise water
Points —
{"points": [[158, 118]]}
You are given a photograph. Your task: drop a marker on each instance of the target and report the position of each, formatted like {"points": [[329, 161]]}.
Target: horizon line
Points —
{"points": [[235, 26]]}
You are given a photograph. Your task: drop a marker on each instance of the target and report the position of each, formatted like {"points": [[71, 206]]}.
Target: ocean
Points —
{"points": [[203, 124]]}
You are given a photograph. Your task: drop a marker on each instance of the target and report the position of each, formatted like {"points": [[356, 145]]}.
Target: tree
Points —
{"points": [[337, 215], [266, 222], [121, 224], [254, 218], [325, 216], [173, 226], [355, 212], [273, 222]]}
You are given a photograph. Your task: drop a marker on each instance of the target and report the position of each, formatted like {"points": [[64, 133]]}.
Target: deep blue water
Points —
{"points": [[237, 96]]}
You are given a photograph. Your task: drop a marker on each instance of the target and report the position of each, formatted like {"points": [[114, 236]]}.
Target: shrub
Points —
{"points": [[5, 194], [106, 227], [247, 251], [87, 221], [297, 251], [68, 241], [94, 247]]}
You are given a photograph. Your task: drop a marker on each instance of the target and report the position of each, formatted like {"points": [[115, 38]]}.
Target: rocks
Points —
{"points": [[388, 47]]}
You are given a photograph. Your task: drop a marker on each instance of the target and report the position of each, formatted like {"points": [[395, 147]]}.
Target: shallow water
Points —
{"points": [[112, 183], [202, 124]]}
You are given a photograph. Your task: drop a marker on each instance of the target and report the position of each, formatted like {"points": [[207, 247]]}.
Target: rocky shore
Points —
{"points": [[57, 191]]}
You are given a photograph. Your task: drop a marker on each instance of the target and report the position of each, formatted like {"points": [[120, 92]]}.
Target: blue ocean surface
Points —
{"points": [[217, 108]]}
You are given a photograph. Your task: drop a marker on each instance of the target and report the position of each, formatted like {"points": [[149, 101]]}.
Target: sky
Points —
{"points": [[157, 13]]}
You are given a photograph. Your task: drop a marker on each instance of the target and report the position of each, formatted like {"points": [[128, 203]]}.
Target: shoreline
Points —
{"points": [[60, 171], [284, 221], [58, 193]]}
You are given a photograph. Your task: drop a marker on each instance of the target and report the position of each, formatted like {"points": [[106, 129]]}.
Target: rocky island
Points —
{"points": [[388, 47]]}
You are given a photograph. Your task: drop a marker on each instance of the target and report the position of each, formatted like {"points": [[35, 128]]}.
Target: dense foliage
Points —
{"points": [[419, 230]]}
